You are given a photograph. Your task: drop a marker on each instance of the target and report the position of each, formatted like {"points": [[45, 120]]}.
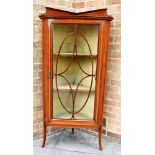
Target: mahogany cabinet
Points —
{"points": [[74, 59]]}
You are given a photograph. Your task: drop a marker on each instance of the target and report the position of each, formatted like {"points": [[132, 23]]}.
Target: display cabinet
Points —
{"points": [[74, 60]]}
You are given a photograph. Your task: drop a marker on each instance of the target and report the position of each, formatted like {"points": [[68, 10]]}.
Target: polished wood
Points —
{"points": [[61, 14], [100, 137], [44, 135], [53, 16]]}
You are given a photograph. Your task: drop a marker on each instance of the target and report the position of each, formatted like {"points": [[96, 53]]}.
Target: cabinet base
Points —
{"points": [[99, 136]]}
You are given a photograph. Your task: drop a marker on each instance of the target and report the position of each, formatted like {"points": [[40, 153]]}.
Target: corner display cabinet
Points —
{"points": [[74, 60]]}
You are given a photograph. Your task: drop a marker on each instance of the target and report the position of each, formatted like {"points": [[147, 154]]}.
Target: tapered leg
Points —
{"points": [[72, 130], [100, 137], [44, 136]]}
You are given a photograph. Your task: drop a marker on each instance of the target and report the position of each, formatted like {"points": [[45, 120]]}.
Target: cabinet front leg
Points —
{"points": [[100, 137], [44, 135]]}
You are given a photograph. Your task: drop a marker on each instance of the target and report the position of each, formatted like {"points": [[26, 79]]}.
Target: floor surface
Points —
{"points": [[79, 143]]}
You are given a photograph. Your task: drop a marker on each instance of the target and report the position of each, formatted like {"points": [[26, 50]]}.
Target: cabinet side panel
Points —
{"points": [[98, 73], [105, 38], [101, 70]]}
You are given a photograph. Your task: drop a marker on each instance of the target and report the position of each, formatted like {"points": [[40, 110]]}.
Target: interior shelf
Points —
{"points": [[80, 88], [78, 54]]}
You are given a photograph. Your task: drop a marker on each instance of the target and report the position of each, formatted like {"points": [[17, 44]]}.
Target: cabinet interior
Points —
{"points": [[74, 70]]}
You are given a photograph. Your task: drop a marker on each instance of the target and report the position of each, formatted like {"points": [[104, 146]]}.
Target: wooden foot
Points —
{"points": [[72, 130], [44, 136], [100, 137]]}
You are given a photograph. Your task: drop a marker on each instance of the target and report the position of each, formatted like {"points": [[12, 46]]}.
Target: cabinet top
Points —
{"points": [[100, 14]]}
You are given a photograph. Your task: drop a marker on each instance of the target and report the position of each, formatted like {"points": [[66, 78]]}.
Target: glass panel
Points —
{"points": [[62, 110], [89, 32], [74, 68]]}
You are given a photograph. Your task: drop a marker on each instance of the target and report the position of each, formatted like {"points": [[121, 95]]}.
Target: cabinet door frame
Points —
{"points": [[48, 70]]}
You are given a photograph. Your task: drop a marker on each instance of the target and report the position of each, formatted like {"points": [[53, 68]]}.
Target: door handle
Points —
{"points": [[49, 74]]}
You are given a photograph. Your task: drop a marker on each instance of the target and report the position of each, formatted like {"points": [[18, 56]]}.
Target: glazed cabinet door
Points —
{"points": [[74, 64]]}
